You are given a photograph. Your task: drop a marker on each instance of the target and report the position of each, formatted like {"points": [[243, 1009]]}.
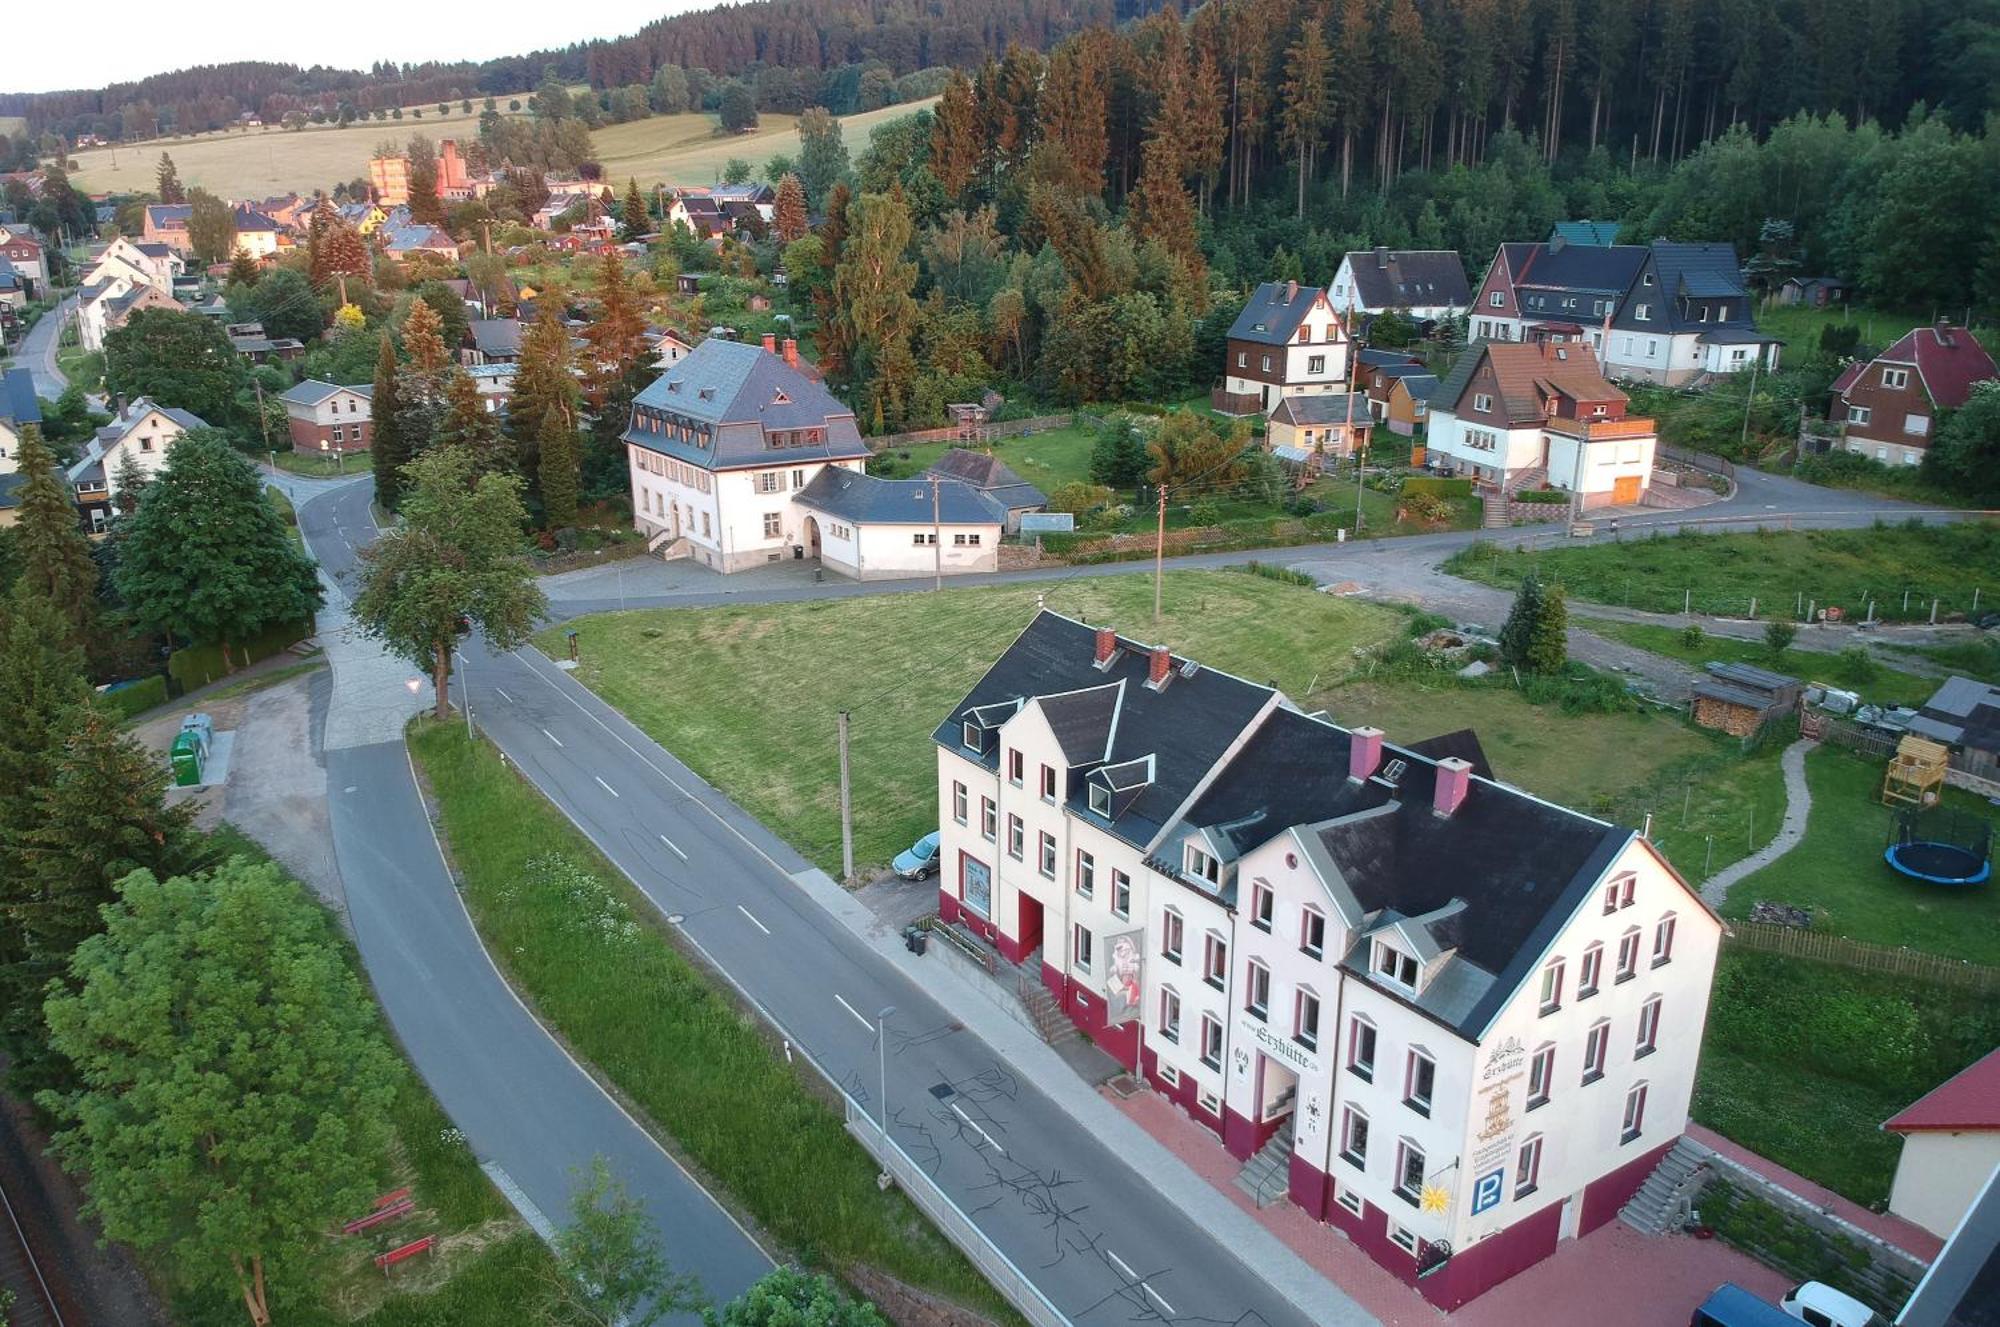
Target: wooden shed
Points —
{"points": [[1915, 772], [1739, 699]]}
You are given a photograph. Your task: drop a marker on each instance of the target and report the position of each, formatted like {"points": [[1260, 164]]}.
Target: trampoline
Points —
{"points": [[1941, 850]]}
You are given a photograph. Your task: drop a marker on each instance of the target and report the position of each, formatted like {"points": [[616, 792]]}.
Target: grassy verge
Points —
{"points": [[85, 368], [1782, 570], [580, 943], [702, 681], [488, 1269], [1803, 1061], [1876, 681], [1838, 872], [312, 465], [1978, 658]]}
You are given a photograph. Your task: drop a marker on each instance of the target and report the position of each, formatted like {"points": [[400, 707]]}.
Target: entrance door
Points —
{"points": [[1624, 490], [1030, 937]]}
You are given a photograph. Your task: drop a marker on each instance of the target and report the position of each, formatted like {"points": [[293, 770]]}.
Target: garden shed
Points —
{"points": [[1739, 699]]}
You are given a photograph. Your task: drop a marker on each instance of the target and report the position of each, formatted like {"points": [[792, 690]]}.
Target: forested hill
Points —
{"points": [[739, 40]]}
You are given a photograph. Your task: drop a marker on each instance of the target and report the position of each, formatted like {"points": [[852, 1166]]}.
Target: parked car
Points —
{"points": [[1820, 1305], [919, 859], [1733, 1306]]}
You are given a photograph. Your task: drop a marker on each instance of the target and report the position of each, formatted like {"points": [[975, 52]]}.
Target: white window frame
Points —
{"points": [[1628, 956], [1542, 1067], [1350, 1116], [1895, 380], [1170, 1014], [1590, 972], [1663, 940], [1551, 996], [1100, 800], [1086, 874], [1414, 1064], [1308, 915], [1407, 1148], [1633, 1123], [1648, 1039], [1528, 1166], [1306, 1031], [1016, 766], [1497, 300], [961, 803], [1257, 990], [1121, 894], [1263, 906], [1173, 935], [1211, 1031], [1081, 945], [989, 820], [1482, 402], [1362, 1033], [1215, 960], [1859, 414], [1017, 837], [1045, 855], [1595, 1043]]}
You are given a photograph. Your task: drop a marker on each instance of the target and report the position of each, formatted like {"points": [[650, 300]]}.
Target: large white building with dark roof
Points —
{"points": [[1454, 1020]]}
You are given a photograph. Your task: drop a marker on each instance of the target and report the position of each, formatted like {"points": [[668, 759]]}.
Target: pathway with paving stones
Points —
{"points": [[1798, 805]]}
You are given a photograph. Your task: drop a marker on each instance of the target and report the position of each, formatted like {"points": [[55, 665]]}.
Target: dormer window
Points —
{"points": [[1203, 866], [1100, 801], [1393, 965], [975, 736]]}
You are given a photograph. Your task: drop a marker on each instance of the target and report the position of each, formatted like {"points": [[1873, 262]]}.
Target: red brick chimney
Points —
{"points": [[1454, 780], [792, 351], [770, 343], [1364, 752], [1107, 643], [1163, 663]]}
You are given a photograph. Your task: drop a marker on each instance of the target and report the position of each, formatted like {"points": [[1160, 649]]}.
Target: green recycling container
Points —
{"points": [[187, 760]]}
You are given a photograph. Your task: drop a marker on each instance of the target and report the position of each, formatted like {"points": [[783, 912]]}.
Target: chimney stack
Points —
{"points": [[1163, 663], [1944, 333], [792, 351], [1382, 257], [1454, 780], [1364, 753], [1107, 644], [770, 343], [1291, 291]]}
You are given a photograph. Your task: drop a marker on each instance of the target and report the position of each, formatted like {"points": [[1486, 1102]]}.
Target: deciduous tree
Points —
{"points": [[457, 556], [178, 359], [609, 1268], [237, 1088], [822, 154], [211, 227], [789, 1297], [873, 285]]}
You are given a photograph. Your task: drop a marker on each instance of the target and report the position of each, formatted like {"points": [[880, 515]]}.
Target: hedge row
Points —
{"points": [[198, 665], [137, 698], [1549, 496]]}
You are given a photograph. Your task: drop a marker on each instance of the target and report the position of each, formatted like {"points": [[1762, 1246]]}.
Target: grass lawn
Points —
{"points": [[1976, 658], [1837, 870], [1877, 682], [700, 681], [581, 944], [489, 1268], [691, 149], [1046, 460], [1803, 1061], [1783, 570], [1798, 325], [314, 466]]}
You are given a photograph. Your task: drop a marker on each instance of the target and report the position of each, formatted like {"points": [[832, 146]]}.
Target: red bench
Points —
{"points": [[391, 1198], [401, 1207], [387, 1260]]}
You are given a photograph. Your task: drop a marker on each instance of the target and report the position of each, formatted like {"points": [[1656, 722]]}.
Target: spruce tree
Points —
{"points": [[388, 452], [1517, 634], [167, 181], [636, 219], [541, 383], [56, 564], [558, 469], [468, 424], [243, 270], [789, 220], [131, 483], [1548, 645], [616, 338]]}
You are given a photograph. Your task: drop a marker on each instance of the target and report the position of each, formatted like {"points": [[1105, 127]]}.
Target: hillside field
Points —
{"points": [[254, 163]]}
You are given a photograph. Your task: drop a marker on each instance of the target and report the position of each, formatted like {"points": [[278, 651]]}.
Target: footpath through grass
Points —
{"points": [[1837, 871], [1785, 571], [581, 945], [747, 696]]}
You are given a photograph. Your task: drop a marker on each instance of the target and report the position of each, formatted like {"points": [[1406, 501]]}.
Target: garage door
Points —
{"points": [[1625, 490]]}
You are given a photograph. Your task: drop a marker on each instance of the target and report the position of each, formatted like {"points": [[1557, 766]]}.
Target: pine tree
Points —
{"points": [[389, 451], [1162, 209], [469, 424], [542, 382], [636, 219], [790, 218], [243, 270], [167, 181], [836, 335], [1307, 67], [1075, 104], [616, 338], [1533, 638], [131, 483], [958, 143], [56, 565], [558, 469]]}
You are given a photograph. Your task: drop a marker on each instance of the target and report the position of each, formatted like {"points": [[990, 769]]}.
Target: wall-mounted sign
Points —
{"points": [[1281, 1048], [1121, 976], [1488, 1189]]}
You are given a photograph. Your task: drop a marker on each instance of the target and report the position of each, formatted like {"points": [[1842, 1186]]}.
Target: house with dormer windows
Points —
{"points": [[1288, 341], [1452, 1019]]}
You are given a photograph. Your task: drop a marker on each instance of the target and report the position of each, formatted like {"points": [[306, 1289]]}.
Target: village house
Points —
{"points": [[19, 408], [1888, 406], [139, 435], [364, 217], [167, 223], [250, 341], [1514, 415], [887, 529], [13, 295], [1573, 286], [1951, 1143], [155, 265], [327, 417], [670, 346], [1426, 285], [492, 341], [23, 252], [401, 239], [1321, 426], [256, 234], [103, 306], [1453, 1020], [986, 473], [1288, 341]]}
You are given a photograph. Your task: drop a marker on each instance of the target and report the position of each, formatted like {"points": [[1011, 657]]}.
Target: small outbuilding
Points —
{"points": [[1739, 700], [988, 474], [1951, 1143]]}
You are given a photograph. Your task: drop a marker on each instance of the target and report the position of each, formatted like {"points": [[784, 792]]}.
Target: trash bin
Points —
{"points": [[187, 759], [202, 727]]}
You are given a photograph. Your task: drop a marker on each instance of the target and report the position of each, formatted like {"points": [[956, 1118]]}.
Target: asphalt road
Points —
{"points": [[522, 1102], [37, 352]]}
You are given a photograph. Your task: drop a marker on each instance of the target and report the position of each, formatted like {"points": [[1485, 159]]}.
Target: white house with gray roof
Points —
{"points": [[738, 459], [139, 435]]}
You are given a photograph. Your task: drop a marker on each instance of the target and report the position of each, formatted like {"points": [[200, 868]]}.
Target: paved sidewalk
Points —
{"points": [[1798, 807]]}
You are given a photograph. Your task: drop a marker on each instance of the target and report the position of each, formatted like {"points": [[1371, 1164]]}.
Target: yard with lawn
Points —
{"points": [[1853, 668], [1048, 460], [594, 959], [1786, 572], [315, 465]]}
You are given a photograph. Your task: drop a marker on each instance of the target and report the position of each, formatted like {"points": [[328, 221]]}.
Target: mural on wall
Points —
{"points": [[1123, 971]]}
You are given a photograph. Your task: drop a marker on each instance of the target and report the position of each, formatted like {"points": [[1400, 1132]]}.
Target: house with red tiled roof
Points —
{"points": [[1951, 1143], [1888, 406]]}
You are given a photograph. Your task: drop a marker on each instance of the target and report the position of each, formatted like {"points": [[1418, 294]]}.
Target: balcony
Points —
{"points": [[1602, 430]]}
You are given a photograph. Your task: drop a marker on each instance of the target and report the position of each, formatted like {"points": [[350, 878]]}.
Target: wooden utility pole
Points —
{"points": [[937, 547], [1160, 556], [263, 419], [846, 809]]}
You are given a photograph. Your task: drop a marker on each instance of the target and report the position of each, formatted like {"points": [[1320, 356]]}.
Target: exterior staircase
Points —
{"points": [[1267, 1177], [1495, 511], [1043, 1011], [1532, 477], [1662, 1202], [666, 546]]}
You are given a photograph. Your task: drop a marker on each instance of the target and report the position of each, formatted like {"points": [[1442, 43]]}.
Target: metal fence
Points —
{"points": [[1707, 461], [1842, 952]]}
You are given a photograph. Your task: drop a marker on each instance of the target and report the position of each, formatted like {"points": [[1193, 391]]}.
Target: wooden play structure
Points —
{"points": [[1915, 773]]}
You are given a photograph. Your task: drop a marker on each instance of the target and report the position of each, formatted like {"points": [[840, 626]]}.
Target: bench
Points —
{"points": [[387, 1260], [402, 1207], [391, 1198]]}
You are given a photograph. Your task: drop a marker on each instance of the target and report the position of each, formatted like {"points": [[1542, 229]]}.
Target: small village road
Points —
{"points": [[37, 351]]}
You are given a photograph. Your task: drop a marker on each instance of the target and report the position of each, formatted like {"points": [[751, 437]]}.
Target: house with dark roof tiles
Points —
{"points": [[1427, 285], [1288, 341], [1467, 1019]]}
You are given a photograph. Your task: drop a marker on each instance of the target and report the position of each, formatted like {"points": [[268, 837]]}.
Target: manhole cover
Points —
{"points": [[944, 1091]]}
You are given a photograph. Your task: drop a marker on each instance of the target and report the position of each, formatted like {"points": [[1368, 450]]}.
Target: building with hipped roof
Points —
{"points": [[988, 474], [326, 417], [1454, 1020]]}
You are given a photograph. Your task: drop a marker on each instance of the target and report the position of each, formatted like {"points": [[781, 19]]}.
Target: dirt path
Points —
{"points": [[1798, 807]]}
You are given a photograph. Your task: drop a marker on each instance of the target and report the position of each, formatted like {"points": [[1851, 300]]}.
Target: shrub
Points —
{"points": [[198, 665], [1858, 665], [1692, 635], [1778, 637], [1425, 508], [1078, 498], [136, 697], [1549, 497], [1283, 575], [1205, 512]]}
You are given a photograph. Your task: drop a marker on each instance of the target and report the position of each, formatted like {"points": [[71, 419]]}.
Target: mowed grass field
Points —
{"points": [[747, 696], [692, 149], [253, 163]]}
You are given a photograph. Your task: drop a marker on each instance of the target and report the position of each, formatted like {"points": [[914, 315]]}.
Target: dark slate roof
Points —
{"points": [[496, 336], [1599, 233], [1382, 359], [1463, 743], [18, 403], [10, 486], [1519, 865], [1403, 277], [990, 475], [1962, 1287], [1325, 408], [737, 390], [1578, 269], [1688, 272], [162, 213], [1083, 721], [1750, 676], [1273, 313], [1421, 386], [1187, 727], [865, 500]]}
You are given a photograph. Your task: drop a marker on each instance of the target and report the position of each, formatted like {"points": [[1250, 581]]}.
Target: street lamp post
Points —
{"points": [[464, 692], [882, 1062]]}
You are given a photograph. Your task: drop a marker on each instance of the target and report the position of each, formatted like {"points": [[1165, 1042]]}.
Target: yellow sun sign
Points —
{"points": [[1434, 1199]]}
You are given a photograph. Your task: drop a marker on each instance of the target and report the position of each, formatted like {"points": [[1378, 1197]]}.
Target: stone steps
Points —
{"points": [[1267, 1177], [1662, 1202], [1050, 1021]]}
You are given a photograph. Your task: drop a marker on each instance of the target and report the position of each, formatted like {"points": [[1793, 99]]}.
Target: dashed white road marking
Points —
{"points": [[753, 919], [607, 787], [1120, 1262], [501, 692], [856, 1012], [989, 1138], [676, 848], [1160, 1299], [552, 737]]}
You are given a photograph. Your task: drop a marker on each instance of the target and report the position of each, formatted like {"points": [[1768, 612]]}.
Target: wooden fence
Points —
{"points": [[1842, 952]]}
